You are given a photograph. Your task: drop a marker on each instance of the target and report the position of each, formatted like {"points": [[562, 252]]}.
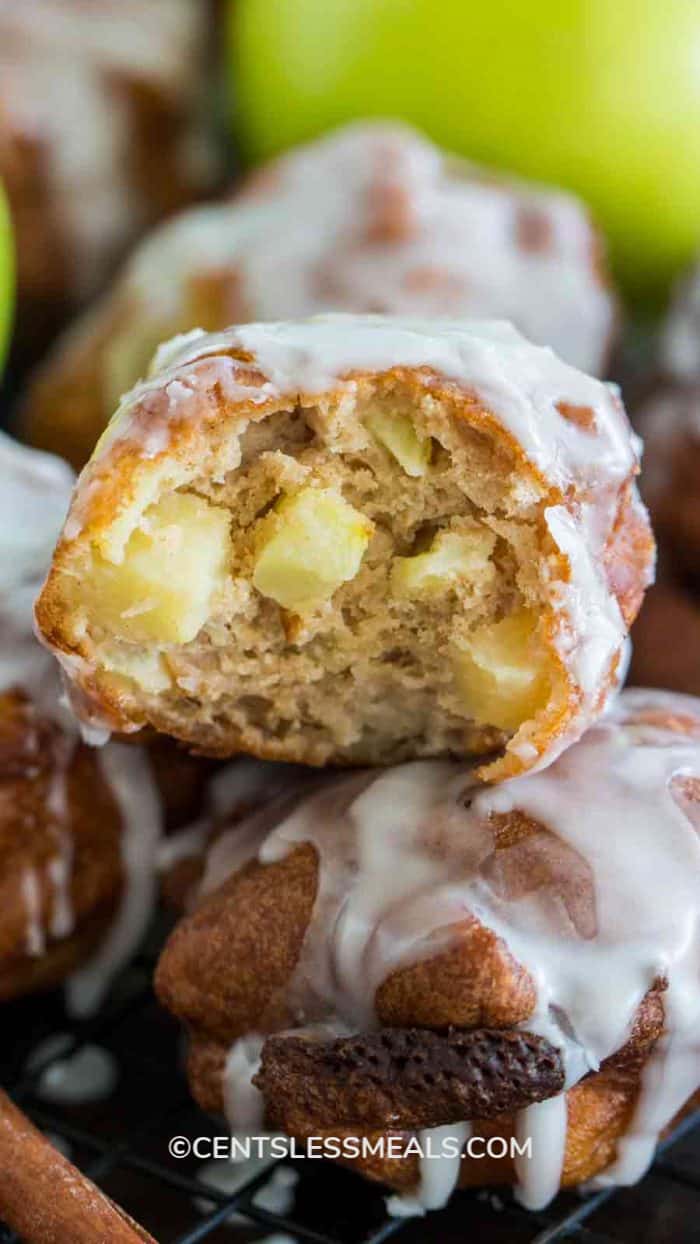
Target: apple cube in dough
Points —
{"points": [[310, 543], [500, 673], [398, 434], [453, 555], [173, 563]]}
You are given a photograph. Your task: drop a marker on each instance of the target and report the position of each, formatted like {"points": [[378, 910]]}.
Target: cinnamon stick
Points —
{"points": [[47, 1200]]}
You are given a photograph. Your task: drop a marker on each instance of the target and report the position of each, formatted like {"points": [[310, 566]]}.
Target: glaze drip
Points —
{"points": [[599, 901]]}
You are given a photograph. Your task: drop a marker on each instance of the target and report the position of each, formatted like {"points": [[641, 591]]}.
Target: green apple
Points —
{"points": [[602, 96], [7, 276]]}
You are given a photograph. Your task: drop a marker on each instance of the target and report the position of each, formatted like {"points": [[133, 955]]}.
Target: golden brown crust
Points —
{"points": [[226, 966], [226, 971], [475, 982], [119, 470], [54, 799], [629, 555]]}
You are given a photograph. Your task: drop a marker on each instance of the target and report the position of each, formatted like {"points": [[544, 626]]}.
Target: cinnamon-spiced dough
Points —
{"points": [[358, 540]]}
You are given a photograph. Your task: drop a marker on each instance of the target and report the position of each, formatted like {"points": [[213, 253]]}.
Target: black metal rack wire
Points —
{"points": [[121, 1143]]}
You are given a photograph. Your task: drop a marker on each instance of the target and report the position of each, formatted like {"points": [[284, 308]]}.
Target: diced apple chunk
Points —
{"points": [[453, 555], [397, 434], [310, 543], [501, 672], [173, 563]]}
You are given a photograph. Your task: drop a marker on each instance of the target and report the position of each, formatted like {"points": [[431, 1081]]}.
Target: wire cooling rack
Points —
{"points": [[121, 1143]]}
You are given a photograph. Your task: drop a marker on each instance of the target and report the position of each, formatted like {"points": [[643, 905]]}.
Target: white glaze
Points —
{"points": [[185, 844], [539, 1175], [522, 385], [35, 490], [243, 1102], [518, 381], [246, 783], [228, 1175], [58, 70], [233, 793], [319, 237], [277, 1195], [34, 496], [60, 870], [254, 795], [86, 1074], [60, 867], [403, 861], [35, 936], [130, 779], [439, 1173]]}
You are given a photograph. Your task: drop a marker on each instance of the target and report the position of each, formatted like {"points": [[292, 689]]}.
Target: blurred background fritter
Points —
{"points": [[104, 128]]}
